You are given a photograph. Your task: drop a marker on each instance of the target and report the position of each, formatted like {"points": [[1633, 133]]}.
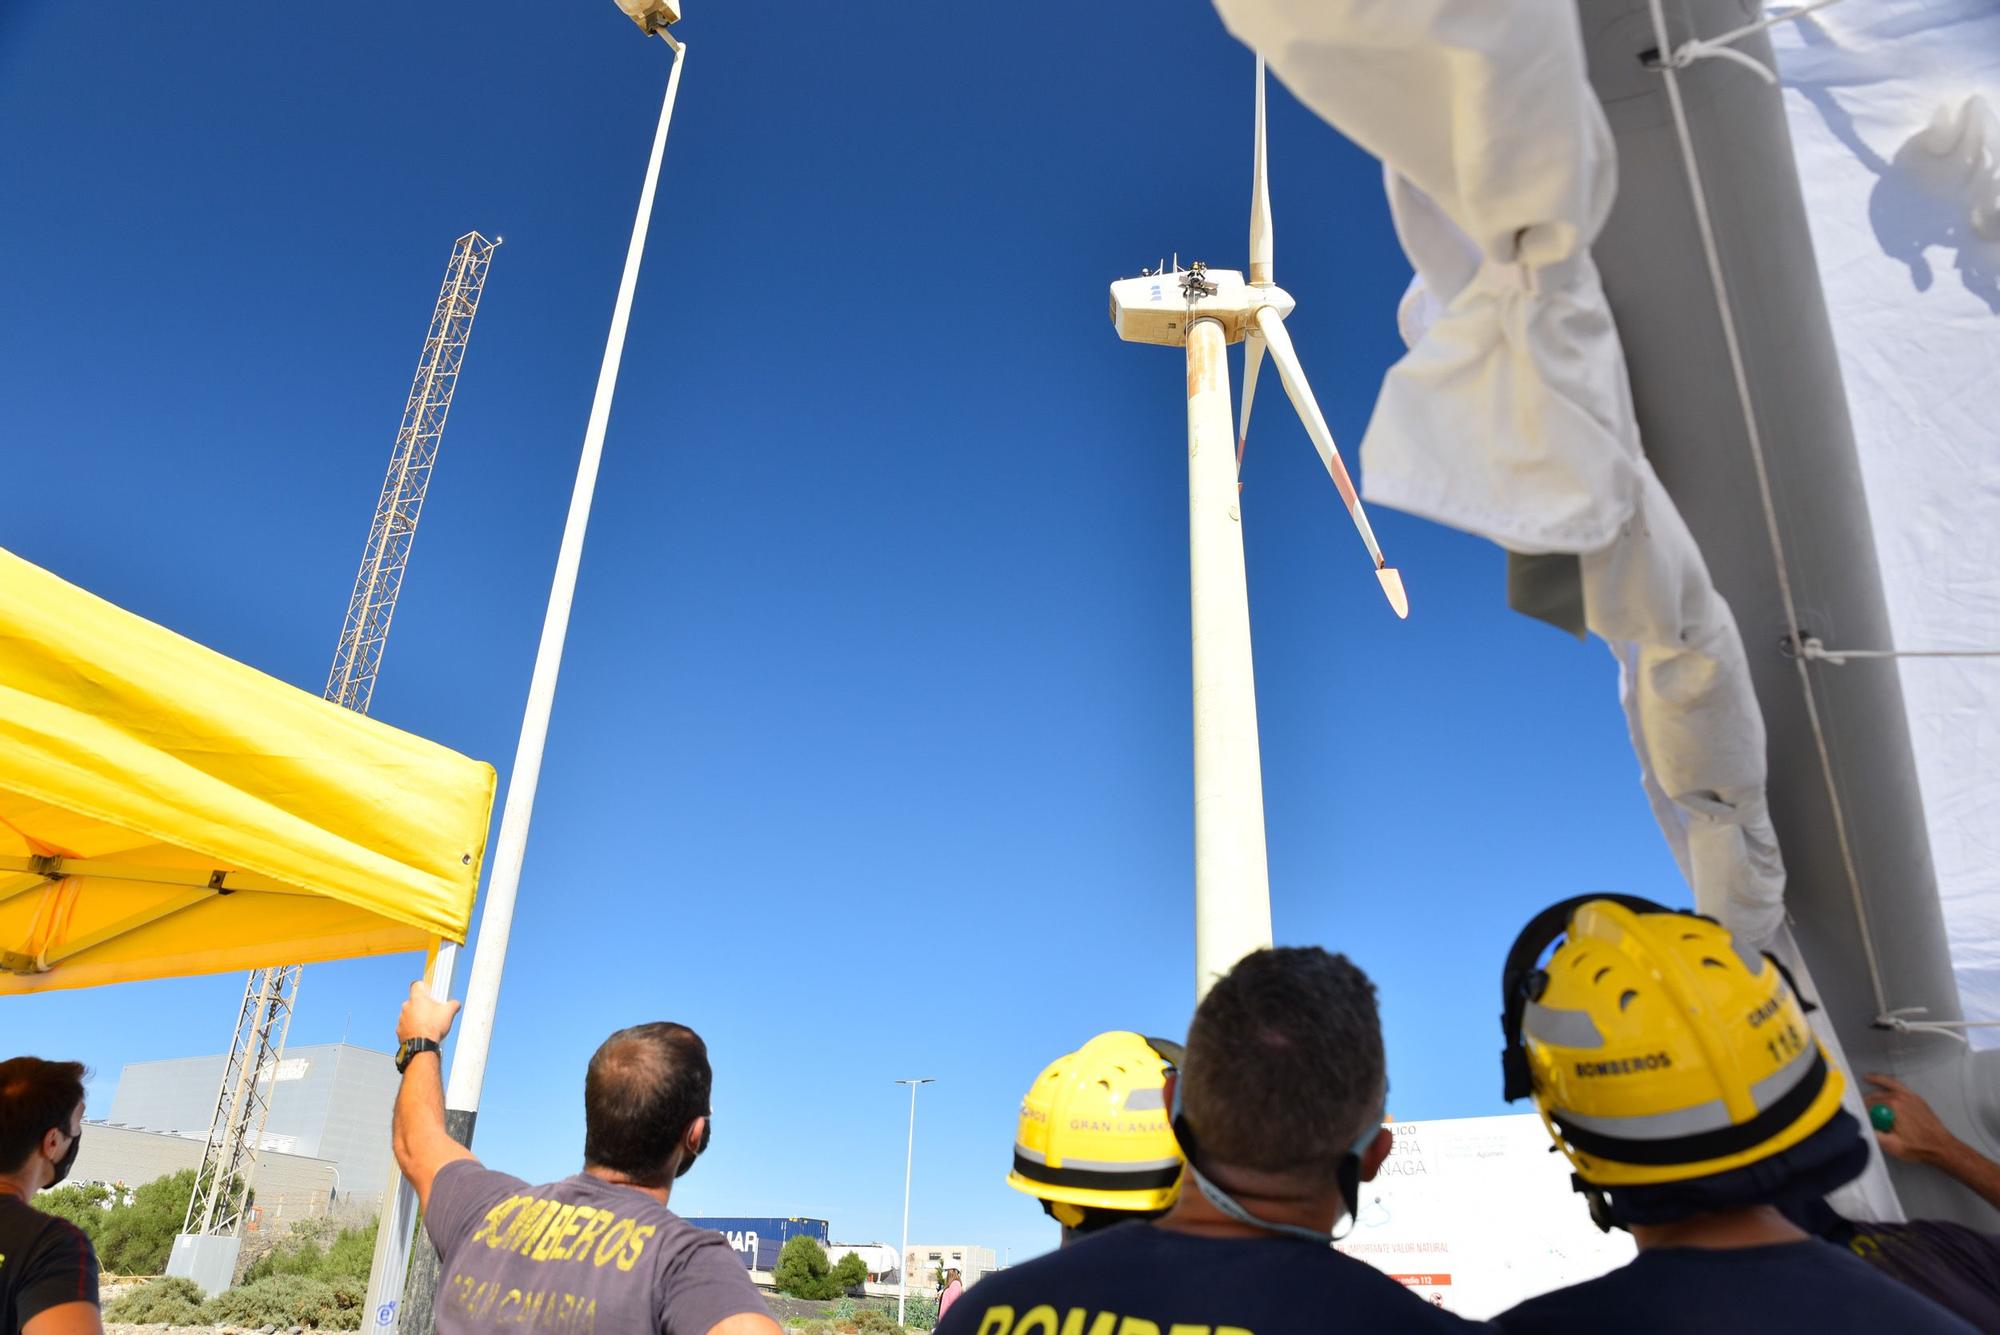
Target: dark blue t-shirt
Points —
{"points": [[1757, 1290], [1139, 1279], [44, 1262]]}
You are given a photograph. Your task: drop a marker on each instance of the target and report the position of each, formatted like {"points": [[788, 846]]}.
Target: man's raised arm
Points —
{"points": [[417, 1130]]}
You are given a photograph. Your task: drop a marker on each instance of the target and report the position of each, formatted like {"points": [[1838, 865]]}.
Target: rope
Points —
{"points": [[1812, 648], [1899, 1021], [1670, 70], [1723, 47]]}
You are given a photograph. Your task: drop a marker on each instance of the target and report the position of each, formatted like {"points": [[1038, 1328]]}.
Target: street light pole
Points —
{"points": [[909, 1156], [413, 1314], [482, 989]]}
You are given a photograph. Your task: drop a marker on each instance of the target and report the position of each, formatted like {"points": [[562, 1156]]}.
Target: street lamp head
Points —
{"points": [[652, 15]]}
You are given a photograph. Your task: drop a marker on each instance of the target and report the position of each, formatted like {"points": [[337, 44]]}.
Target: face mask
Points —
{"points": [[64, 1164], [1348, 1174], [707, 1133]]}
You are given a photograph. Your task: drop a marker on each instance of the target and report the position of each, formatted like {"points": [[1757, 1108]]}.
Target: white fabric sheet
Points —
{"points": [[1511, 416], [1891, 107]]}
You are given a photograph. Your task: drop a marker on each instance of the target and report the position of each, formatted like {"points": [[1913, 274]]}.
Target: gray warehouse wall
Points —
{"points": [[289, 1186], [330, 1101], [354, 1132]]}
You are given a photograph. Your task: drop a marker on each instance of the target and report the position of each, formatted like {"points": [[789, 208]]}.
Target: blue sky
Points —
{"points": [[871, 756]]}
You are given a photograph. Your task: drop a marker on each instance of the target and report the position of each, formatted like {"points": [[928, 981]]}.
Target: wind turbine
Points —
{"points": [[1204, 310]]}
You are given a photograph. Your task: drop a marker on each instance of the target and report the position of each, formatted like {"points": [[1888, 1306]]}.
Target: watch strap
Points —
{"points": [[410, 1047]]}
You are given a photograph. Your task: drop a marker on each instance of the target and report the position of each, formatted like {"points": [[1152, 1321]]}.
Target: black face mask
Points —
{"points": [[64, 1164], [707, 1133]]}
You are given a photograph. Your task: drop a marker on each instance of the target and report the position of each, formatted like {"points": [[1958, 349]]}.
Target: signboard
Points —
{"points": [[757, 1242], [1475, 1214], [291, 1068]]}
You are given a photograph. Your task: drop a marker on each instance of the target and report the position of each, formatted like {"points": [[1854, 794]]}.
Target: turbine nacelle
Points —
{"points": [[1158, 308]]}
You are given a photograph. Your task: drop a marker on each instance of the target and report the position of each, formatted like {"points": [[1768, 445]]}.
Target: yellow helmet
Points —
{"points": [[1094, 1131], [1656, 1050]]}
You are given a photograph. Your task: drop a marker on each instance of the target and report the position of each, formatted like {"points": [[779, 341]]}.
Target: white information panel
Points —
{"points": [[1475, 1213]]}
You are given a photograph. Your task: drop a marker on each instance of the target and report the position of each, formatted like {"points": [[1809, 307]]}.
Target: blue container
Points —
{"points": [[757, 1242]]}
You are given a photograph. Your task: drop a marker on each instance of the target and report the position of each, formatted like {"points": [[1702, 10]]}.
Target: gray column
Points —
{"points": [[1656, 276]]}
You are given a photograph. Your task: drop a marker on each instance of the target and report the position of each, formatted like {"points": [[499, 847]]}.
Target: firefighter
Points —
{"points": [[1094, 1145]]}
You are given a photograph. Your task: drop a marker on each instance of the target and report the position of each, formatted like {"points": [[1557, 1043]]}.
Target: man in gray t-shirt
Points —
{"points": [[596, 1252]]}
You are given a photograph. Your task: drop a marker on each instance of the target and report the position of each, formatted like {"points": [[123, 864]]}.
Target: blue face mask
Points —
{"points": [[1348, 1175]]}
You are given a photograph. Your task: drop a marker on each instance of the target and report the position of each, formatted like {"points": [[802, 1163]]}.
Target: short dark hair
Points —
{"points": [[36, 1097], [645, 1085], [1284, 1065]]}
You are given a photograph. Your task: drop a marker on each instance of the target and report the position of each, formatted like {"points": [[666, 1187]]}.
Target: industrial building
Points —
{"points": [[923, 1261], [289, 1187], [329, 1103]]}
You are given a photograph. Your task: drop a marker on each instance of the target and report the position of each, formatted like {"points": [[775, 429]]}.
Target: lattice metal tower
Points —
{"points": [[221, 1188]]}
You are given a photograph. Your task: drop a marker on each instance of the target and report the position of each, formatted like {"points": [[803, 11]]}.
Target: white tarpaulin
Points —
{"points": [[1892, 115], [1511, 417]]}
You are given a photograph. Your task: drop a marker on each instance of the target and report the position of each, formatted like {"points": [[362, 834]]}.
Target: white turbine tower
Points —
{"points": [[1204, 310]]}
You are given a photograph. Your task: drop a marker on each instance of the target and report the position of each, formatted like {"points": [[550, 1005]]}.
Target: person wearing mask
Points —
{"points": [[48, 1271], [1677, 1073], [1278, 1110], [1093, 1144], [600, 1249]]}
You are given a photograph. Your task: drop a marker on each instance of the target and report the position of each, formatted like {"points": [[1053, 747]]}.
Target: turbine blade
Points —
{"points": [[1392, 586], [1260, 197], [1293, 376], [1253, 361]]}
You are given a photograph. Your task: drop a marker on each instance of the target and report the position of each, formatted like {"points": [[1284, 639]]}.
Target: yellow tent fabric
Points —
{"points": [[165, 810]]}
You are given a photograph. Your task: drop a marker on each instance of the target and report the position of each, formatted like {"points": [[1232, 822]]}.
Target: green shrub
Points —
{"points": [[315, 1251], [82, 1203], [351, 1254], [130, 1239], [874, 1321], [291, 1300], [920, 1313], [350, 1296], [169, 1302], [849, 1273], [803, 1271]]}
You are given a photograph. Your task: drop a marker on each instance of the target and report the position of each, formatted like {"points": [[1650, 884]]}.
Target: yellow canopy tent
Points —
{"points": [[165, 810]]}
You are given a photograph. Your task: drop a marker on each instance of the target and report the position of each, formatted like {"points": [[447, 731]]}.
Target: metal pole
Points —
{"points": [[1232, 888], [482, 992], [389, 1271], [909, 1156]]}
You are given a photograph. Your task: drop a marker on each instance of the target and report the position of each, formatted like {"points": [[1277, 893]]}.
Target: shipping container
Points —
{"points": [[757, 1242]]}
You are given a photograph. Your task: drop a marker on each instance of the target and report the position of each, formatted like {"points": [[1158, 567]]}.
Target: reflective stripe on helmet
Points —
{"points": [[1712, 1116], [1571, 1029], [1700, 1145], [1035, 1156], [1163, 1173]]}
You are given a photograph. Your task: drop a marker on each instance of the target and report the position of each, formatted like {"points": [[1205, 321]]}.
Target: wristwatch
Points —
{"points": [[410, 1047]]}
